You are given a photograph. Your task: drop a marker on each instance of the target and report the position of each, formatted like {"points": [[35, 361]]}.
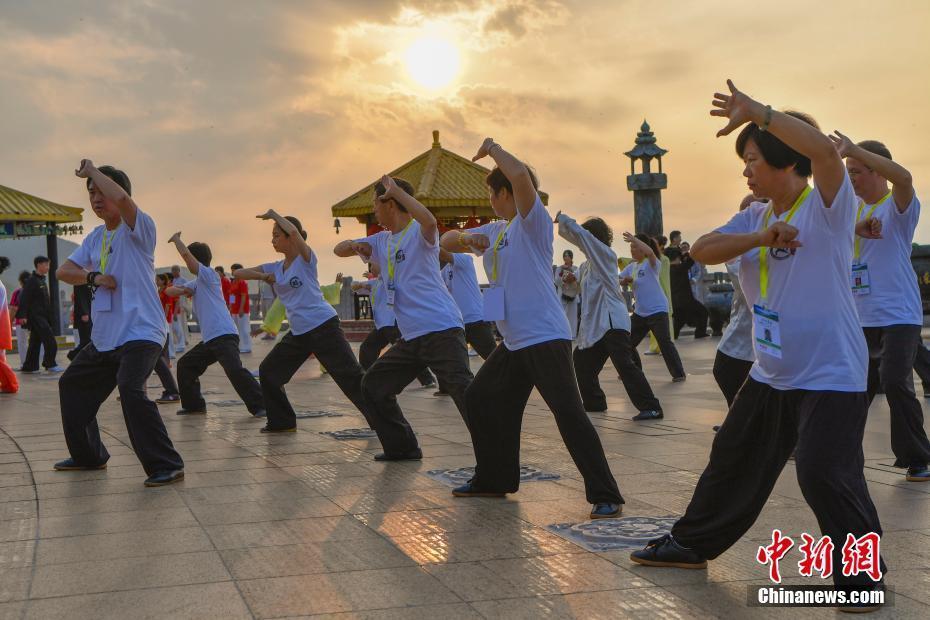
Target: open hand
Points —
{"points": [[484, 150], [83, 170], [843, 144], [267, 215], [629, 238], [736, 106], [390, 188], [780, 235]]}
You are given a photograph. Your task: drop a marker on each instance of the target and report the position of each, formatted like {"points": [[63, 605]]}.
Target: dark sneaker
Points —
{"points": [[597, 409], [162, 478], [918, 474], [680, 379], [440, 393], [183, 411], [268, 429], [168, 399], [470, 490], [648, 415], [668, 553], [29, 372], [260, 414], [412, 455], [606, 511], [863, 608], [70, 465]]}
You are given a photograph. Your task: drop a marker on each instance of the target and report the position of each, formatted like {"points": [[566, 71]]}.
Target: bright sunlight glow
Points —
{"points": [[432, 62]]}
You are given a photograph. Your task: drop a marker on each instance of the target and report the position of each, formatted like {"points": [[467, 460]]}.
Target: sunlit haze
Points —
{"points": [[220, 109]]}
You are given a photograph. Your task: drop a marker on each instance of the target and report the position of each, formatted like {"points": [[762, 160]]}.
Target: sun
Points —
{"points": [[432, 63]]}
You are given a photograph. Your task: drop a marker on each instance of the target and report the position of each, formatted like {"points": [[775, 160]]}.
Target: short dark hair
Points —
{"points": [[39, 259], [661, 240], [235, 266], [118, 176], [568, 253], [674, 233], [300, 227], [496, 180], [201, 251], [405, 185], [23, 276], [4, 263], [775, 152], [599, 228], [650, 242], [876, 147]]}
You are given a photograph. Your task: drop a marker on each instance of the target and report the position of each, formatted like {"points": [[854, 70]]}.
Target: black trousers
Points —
{"points": [[88, 382], [225, 350], [480, 336], [376, 341], [444, 352], [730, 374], [40, 335], [892, 351], [328, 343], [657, 324], [689, 311], [589, 362], [749, 452], [496, 401], [84, 329], [922, 365], [163, 370]]}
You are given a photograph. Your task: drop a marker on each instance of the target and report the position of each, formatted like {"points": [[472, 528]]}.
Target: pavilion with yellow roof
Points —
{"points": [[452, 187]]}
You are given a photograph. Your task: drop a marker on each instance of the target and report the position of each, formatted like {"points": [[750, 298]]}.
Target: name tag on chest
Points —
{"points": [[766, 331], [103, 300], [389, 292], [493, 304], [859, 279]]}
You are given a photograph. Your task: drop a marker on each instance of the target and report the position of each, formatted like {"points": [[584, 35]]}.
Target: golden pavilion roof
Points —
{"points": [[17, 206], [449, 185]]}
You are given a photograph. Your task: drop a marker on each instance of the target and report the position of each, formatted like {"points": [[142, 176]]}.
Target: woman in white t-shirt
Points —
{"points": [[536, 351], [650, 313], [806, 389], [314, 325]]}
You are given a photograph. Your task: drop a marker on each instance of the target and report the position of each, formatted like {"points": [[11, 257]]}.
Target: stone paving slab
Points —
{"points": [[306, 525]]}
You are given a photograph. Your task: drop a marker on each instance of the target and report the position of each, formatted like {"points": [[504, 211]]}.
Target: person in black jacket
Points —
{"points": [[688, 310], [35, 308], [82, 322]]}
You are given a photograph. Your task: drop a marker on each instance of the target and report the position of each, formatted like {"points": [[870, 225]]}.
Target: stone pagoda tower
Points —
{"points": [[646, 185]]}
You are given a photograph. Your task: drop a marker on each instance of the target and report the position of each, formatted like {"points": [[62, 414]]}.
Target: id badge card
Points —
{"points": [[493, 303], [389, 297], [766, 331], [232, 299], [103, 300], [859, 279]]}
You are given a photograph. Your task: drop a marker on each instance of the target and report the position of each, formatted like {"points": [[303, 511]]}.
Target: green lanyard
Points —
{"points": [[763, 253], [857, 247], [105, 247], [392, 251], [497, 243]]}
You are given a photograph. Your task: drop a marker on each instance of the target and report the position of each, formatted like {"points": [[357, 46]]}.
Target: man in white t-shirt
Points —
{"points": [[220, 341], [430, 323], [887, 296], [458, 274], [129, 332]]}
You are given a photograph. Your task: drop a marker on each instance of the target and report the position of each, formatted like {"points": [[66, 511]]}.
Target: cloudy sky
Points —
{"points": [[220, 109]]}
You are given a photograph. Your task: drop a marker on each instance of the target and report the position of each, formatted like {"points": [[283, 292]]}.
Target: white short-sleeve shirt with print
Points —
{"points": [[462, 281], [209, 306], [647, 288], [299, 290]]}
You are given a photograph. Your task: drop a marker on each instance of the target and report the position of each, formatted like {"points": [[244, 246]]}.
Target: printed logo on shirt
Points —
{"points": [[399, 257], [781, 253], [641, 273], [504, 242], [295, 282]]}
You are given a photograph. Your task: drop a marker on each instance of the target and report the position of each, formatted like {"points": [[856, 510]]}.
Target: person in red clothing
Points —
{"points": [[240, 309], [9, 384], [170, 305], [225, 283]]}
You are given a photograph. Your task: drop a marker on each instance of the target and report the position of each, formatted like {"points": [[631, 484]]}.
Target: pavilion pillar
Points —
{"points": [[51, 242]]}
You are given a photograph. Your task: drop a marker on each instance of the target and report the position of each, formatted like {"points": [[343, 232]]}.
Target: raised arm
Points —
{"points": [[193, 265], [353, 247], [524, 192], [178, 291], [715, 248], [417, 211], [576, 235], [290, 230], [463, 242], [253, 273], [826, 163], [111, 191], [642, 247], [902, 185]]}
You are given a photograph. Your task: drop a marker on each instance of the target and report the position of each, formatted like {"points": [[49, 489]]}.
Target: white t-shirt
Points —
{"points": [[532, 310], [602, 304], [422, 303], [462, 281], [823, 347], [895, 294], [135, 311], [384, 314], [212, 312], [299, 290], [737, 339], [650, 298]]}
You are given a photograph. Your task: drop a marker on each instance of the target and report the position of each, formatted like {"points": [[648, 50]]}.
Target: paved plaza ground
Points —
{"points": [[309, 525]]}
